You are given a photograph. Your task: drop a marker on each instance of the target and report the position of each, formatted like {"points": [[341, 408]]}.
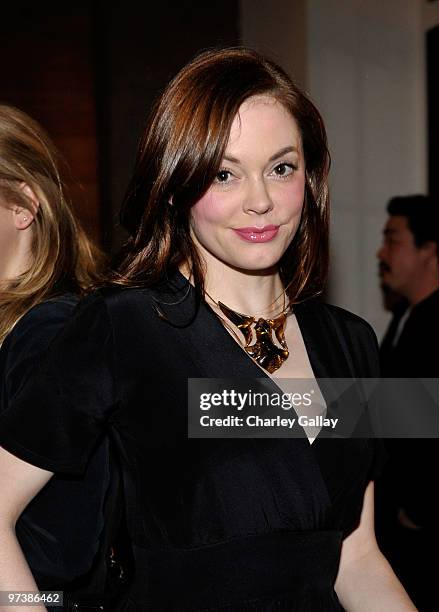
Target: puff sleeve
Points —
{"points": [[55, 418]]}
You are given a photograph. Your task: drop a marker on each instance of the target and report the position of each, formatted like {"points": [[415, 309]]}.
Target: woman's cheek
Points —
{"points": [[209, 209], [294, 195]]}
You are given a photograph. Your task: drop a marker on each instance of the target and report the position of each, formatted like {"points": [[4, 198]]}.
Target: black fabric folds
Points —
{"points": [[56, 417], [120, 367], [59, 530]]}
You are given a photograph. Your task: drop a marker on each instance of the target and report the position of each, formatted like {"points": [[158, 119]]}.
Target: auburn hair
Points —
{"points": [[62, 258], [181, 151]]}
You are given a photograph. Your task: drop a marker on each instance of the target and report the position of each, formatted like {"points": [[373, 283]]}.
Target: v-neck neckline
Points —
{"points": [[254, 371], [260, 371]]}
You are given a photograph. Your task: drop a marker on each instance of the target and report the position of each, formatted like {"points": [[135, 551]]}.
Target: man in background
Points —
{"points": [[407, 496], [409, 266]]}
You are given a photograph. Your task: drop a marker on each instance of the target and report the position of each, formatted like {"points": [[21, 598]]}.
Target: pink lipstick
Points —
{"points": [[257, 234]]}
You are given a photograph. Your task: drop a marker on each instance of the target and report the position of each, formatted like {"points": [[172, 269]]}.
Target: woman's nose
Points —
{"points": [[258, 199]]}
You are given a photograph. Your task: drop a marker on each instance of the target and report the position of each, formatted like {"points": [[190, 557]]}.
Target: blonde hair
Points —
{"points": [[63, 258]]}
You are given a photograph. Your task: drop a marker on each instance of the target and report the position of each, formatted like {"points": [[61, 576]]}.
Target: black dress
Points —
{"points": [[227, 524], [59, 530]]}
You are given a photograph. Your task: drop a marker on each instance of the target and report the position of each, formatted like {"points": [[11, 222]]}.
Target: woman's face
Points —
{"points": [[251, 212]]}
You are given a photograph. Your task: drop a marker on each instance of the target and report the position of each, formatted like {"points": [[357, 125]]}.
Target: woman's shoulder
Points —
{"points": [[32, 335], [346, 320], [114, 295], [122, 303], [54, 307], [94, 313], [353, 321], [333, 326], [41, 322]]}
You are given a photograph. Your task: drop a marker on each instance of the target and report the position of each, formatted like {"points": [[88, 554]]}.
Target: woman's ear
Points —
{"points": [[23, 217]]}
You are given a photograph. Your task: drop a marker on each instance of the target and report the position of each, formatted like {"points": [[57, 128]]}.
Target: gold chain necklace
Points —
{"points": [[264, 351]]}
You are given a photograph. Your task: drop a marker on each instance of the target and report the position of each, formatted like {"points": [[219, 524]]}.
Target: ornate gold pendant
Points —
{"points": [[263, 351]]}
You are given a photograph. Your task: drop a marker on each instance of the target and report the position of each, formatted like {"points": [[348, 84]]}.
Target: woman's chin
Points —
{"points": [[258, 266]]}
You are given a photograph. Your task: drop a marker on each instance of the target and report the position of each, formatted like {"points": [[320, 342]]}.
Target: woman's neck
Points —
{"points": [[16, 258], [258, 293]]}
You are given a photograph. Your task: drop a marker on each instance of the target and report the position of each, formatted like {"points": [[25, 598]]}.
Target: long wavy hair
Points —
{"points": [[181, 151], [62, 258]]}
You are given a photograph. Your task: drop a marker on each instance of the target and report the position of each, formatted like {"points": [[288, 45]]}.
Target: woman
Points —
{"points": [[228, 214], [46, 263]]}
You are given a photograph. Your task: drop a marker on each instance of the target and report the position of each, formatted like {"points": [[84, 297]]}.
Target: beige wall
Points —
{"points": [[367, 72]]}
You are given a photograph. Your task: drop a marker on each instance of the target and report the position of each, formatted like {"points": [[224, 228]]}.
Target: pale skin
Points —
{"points": [[262, 183], [365, 580], [16, 234], [21, 480]]}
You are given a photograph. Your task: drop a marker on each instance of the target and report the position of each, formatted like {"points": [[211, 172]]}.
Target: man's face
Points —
{"points": [[401, 261]]}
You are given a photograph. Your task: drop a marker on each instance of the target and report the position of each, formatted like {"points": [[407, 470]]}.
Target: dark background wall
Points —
{"points": [[47, 69], [89, 72], [140, 51]]}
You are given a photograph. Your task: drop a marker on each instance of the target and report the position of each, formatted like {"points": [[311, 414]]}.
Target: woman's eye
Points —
{"points": [[284, 169], [223, 176]]}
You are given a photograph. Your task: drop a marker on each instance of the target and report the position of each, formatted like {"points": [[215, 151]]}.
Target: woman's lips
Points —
{"points": [[257, 234]]}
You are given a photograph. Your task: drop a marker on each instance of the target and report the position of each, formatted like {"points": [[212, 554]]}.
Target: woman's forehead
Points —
{"points": [[263, 120]]}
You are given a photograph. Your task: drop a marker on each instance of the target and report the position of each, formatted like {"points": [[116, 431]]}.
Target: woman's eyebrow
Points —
{"points": [[283, 151]]}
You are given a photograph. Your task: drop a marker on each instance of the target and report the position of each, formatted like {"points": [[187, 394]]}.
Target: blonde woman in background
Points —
{"points": [[44, 251], [46, 263]]}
